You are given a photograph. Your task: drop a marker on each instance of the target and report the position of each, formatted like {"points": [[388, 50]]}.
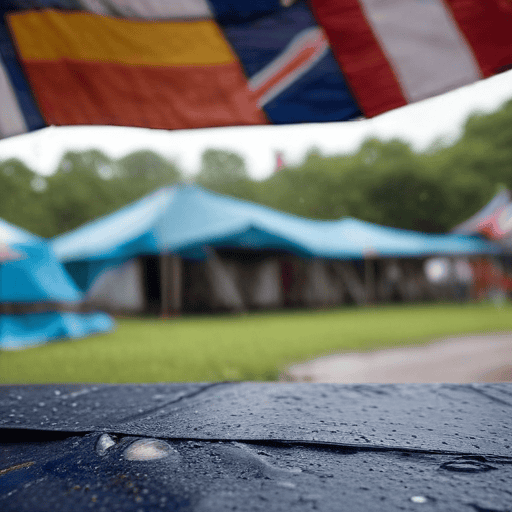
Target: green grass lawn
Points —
{"points": [[254, 346]]}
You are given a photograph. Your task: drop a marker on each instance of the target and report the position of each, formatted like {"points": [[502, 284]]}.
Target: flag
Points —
{"points": [[279, 161], [494, 220], [197, 64], [498, 225]]}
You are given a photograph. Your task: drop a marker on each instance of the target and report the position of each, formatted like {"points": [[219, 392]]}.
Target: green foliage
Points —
{"points": [[256, 346], [225, 172], [76, 192], [84, 186], [22, 198], [144, 171], [383, 182], [388, 183]]}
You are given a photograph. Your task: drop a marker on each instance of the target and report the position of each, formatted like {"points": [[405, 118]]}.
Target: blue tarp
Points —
{"points": [[186, 219], [32, 329], [32, 273], [29, 273]]}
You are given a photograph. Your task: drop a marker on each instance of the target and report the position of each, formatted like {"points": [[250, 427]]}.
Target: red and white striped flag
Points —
{"points": [[395, 52]]}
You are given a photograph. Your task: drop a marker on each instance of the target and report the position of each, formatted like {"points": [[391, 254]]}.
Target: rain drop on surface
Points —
{"points": [[147, 449], [104, 443], [286, 485], [467, 466], [419, 499]]}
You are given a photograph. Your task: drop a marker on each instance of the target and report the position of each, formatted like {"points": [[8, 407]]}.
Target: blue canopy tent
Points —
{"points": [[188, 221], [186, 218], [31, 274]]}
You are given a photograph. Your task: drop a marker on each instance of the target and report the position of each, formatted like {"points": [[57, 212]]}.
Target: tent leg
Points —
{"points": [[171, 283], [164, 285], [354, 286], [176, 287], [369, 280]]}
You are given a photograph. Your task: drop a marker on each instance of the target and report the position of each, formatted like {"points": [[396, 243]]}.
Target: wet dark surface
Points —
{"points": [[473, 418], [70, 474], [255, 446]]}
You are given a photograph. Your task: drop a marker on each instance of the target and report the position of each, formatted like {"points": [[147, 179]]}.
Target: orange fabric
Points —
{"points": [[145, 96], [49, 35], [89, 69]]}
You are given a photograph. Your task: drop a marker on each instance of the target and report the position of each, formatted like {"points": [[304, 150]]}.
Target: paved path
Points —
{"points": [[478, 358]]}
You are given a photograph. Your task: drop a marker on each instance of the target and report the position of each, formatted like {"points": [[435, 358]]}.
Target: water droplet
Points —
{"points": [[286, 485], [57, 392], [147, 449], [419, 499], [104, 443], [467, 466], [41, 404]]}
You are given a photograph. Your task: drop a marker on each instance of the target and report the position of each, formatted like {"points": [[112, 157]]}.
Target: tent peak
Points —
{"points": [[11, 234]]}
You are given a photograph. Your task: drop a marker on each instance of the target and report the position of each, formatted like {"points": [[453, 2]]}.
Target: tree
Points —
{"points": [[225, 172], [22, 198], [143, 171], [89, 184]]}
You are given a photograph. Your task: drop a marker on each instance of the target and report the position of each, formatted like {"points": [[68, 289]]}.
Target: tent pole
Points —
{"points": [[164, 285], [369, 278], [3, 310], [176, 287]]}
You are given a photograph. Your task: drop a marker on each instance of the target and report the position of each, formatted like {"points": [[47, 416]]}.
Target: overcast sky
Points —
{"points": [[419, 124]]}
